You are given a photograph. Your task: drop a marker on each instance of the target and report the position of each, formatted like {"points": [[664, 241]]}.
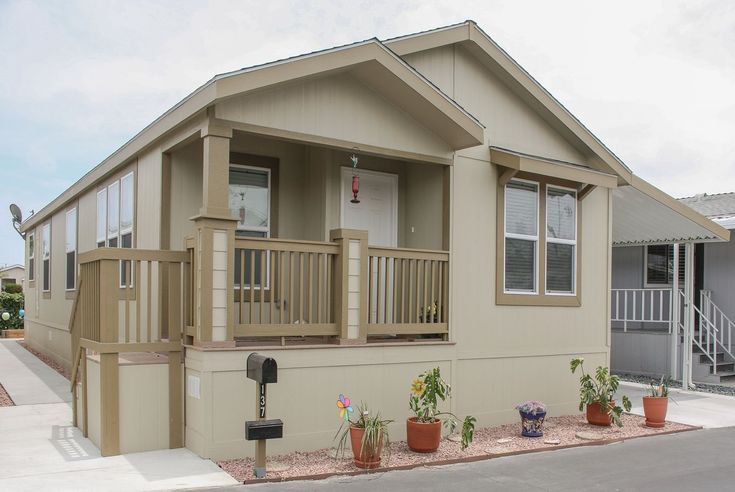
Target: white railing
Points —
{"points": [[717, 324], [641, 306]]}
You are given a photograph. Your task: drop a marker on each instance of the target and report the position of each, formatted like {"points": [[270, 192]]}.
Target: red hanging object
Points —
{"points": [[355, 188]]}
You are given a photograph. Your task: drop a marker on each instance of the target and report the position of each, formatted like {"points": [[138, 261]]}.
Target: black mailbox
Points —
{"points": [[262, 369], [263, 429]]}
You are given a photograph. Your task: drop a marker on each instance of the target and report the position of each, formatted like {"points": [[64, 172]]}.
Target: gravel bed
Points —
{"points": [[485, 444], [48, 361], [5, 400], [704, 387]]}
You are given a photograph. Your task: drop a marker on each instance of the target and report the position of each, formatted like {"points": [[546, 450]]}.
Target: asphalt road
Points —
{"points": [[698, 460]]}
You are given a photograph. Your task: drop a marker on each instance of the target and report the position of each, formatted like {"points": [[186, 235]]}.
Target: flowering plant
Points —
{"points": [[532, 406], [426, 391]]}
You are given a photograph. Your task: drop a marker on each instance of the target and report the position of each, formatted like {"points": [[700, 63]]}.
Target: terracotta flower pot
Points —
{"points": [[597, 416], [371, 457], [423, 437], [654, 407]]}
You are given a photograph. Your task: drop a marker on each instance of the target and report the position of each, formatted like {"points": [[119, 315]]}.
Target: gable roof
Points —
{"points": [[719, 205], [470, 35], [369, 60]]}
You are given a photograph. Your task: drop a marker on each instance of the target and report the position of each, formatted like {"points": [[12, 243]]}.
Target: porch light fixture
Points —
{"points": [[355, 179]]}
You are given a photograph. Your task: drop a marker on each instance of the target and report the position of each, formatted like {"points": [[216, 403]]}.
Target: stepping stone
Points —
{"points": [[504, 440], [276, 466], [454, 437], [588, 436], [552, 441]]}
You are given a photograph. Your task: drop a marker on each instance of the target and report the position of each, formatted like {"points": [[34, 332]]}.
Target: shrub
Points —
{"points": [[12, 304], [13, 288]]}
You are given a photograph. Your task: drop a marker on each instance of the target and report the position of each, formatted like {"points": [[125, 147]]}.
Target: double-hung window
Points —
{"points": [[250, 189], [46, 256], [659, 265], [521, 237], [31, 257], [540, 243], [561, 240], [102, 218], [71, 249], [116, 217]]}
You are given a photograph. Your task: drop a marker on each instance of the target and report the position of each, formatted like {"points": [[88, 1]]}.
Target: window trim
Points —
{"points": [[46, 227], [568, 242], [31, 257], [524, 237], [541, 298], [102, 239], [646, 283], [72, 210]]}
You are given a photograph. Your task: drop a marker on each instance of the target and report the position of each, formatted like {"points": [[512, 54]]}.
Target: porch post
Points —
{"points": [[689, 314], [351, 285], [675, 312], [214, 244]]}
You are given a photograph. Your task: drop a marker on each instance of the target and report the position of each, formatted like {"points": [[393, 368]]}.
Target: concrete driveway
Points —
{"points": [[41, 450]]}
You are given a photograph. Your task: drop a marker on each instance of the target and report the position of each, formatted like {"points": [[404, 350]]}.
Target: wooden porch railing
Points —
{"points": [[286, 288], [128, 300], [409, 291]]}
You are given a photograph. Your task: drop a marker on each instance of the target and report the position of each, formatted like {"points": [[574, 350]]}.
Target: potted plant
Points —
{"points": [[368, 435], [533, 414], [656, 404], [423, 430], [597, 394]]}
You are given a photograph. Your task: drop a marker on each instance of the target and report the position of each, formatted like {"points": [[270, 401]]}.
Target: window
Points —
{"points": [[521, 237], [71, 249], [538, 242], [31, 257], [659, 265], [116, 218], [102, 218], [561, 240], [46, 256], [250, 203]]}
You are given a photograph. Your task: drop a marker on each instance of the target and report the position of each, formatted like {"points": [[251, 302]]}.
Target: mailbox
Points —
{"points": [[263, 429], [262, 369]]}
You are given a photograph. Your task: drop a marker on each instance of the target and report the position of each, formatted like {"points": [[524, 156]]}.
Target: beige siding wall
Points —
{"points": [[334, 107], [510, 122], [148, 194], [186, 191]]}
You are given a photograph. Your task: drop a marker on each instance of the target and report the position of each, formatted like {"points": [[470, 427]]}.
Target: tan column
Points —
{"points": [[351, 285], [215, 240]]}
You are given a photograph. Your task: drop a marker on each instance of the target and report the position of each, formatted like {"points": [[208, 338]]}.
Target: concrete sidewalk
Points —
{"points": [[707, 410], [41, 450]]}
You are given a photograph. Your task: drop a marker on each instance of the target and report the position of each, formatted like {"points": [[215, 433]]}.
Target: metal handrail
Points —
{"points": [[639, 306]]}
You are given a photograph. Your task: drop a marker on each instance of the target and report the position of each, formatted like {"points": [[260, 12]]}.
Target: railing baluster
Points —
{"points": [[380, 303], [242, 285], [625, 308], [301, 288], [290, 286], [262, 280], [251, 306]]}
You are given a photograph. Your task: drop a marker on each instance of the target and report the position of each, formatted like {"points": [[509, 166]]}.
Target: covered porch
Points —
{"points": [[661, 322]]}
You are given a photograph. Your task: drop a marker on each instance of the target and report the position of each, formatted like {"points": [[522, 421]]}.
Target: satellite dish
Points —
{"points": [[17, 218], [16, 213]]}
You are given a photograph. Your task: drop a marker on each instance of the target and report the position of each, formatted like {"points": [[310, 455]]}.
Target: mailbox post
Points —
{"points": [[262, 370]]}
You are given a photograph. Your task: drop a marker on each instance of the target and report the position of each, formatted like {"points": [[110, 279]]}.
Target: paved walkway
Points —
{"points": [[687, 407], [40, 449]]}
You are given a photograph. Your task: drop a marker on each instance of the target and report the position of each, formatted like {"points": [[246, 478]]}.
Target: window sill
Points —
{"points": [[503, 299]]}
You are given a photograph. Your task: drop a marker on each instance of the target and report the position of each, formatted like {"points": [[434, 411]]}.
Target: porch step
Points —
{"points": [[703, 359], [723, 368]]}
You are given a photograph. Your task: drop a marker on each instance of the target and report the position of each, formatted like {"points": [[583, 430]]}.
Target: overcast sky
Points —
{"points": [[654, 80]]}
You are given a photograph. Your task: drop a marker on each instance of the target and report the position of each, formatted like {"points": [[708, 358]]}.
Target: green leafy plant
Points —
{"points": [[661, 389], [599, 389], [376, 435], [426, 392], [11, 304], [13, 288]]}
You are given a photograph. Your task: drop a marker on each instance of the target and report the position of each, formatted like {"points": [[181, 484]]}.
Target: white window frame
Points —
{"points": [[108, 233], [560, 241], [46, 256], [68, 250], [127, 230], [524, 237], [32, 257], [266, 229], [646, 283], [103, 238]]}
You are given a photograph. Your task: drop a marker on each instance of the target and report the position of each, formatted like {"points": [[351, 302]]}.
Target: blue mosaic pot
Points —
{"points": [[532, 425]]}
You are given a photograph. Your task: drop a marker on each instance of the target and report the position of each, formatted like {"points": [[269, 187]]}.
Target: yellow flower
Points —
{"points": [[417, 387]]}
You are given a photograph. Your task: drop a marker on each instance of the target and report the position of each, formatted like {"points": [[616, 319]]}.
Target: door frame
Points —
{"points": [[345, 170]]}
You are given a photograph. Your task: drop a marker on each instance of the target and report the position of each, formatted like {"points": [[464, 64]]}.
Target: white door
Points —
{"points": [[376, 213]]}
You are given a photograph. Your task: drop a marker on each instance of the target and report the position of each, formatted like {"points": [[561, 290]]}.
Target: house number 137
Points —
{"points": [[262, 401]]}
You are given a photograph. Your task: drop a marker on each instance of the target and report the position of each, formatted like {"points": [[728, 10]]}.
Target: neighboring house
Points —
{"points": [[12, 274], [644, 316], [481, 243]]}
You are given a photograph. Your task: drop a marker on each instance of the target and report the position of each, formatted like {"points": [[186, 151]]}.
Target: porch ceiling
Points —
{"points": [[643, 214]]}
